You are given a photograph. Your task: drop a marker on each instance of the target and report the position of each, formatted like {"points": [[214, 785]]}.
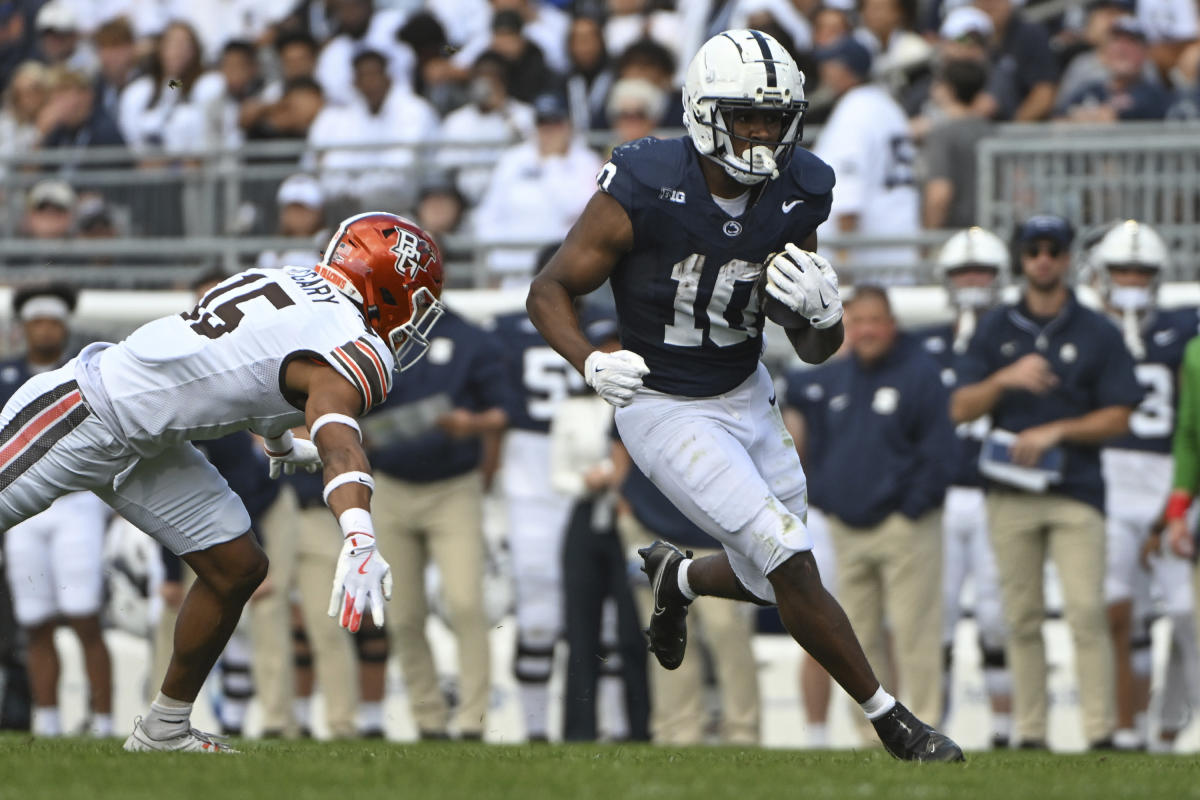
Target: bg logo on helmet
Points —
{"points": [[412, 253]]}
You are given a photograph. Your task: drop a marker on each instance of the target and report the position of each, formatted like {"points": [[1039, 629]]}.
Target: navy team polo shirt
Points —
{"points": [[1094, 370]]}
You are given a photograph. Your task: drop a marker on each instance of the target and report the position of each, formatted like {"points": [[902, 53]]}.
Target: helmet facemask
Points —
{"points": [[760, 159], [410, 340]]}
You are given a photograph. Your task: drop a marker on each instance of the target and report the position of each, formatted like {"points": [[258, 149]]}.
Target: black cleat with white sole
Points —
{"points": [[667, 633], [909, 739]]}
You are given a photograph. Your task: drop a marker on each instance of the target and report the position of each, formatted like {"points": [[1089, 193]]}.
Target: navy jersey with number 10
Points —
{"points": [[688, 294]]}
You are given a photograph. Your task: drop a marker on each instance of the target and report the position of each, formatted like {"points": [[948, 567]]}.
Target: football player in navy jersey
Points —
{"points": [[692, 232], [974, 265], [1127, 266]]}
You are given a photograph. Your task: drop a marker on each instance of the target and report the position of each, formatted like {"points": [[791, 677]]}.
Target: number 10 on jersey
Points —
{"points": [[732, 296]]}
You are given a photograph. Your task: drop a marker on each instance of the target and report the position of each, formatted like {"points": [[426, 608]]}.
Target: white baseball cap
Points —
{"points": [[966, 20], [302, 190], [57, 16]]}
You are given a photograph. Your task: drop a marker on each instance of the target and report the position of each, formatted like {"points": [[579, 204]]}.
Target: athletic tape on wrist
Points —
{"points": [[356, 520], [278, 445], [353, 476], [326, 419]]}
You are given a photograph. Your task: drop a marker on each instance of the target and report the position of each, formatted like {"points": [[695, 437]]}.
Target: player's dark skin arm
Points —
{"points": [[812, 345], [330, 393], [600, 237]]}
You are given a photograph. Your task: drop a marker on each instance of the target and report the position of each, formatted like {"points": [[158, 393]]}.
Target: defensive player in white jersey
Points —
{"points": [[1127, 267], [265, 350], [686, 229], [974, 266]]}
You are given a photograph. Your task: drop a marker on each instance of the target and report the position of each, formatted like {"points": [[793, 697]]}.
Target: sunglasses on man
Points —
{"points": [[1034, 249]]}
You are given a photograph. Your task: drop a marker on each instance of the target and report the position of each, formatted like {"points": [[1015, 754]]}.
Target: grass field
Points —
{"points": [[33, 770]]}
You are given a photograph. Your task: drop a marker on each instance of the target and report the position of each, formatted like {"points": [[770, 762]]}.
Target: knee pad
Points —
{"points": [[533, 663], [372, 645]]}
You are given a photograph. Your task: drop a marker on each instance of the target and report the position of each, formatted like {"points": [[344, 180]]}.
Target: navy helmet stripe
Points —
{"points": [[768, 61]]}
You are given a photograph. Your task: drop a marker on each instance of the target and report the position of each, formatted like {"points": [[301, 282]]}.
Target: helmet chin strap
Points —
{"points": [[1131, 326], [964, 329]]}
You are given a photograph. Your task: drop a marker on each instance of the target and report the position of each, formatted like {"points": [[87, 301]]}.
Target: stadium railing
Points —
{"points": [[179, 215]]}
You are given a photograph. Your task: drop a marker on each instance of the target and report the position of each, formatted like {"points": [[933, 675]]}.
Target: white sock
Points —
{"points": [[818, 735], [46, 722], [1002, 724], [101, 727], [302, 711], [535, 700], [167, 717], [878, 704], [681, 579], [370, 716]]}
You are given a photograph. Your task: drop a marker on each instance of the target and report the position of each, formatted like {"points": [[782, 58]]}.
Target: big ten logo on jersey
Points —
{"points": [[548, 379], [1154, 417], [730, 316], [412, 253], [901, 156]]}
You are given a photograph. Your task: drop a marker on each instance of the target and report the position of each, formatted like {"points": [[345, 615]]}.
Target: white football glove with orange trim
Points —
{"points": [[362, 578]]}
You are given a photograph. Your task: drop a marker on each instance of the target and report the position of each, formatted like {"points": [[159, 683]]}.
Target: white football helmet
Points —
{"points": [[740, 69], [974, 248], [1129, 245]]}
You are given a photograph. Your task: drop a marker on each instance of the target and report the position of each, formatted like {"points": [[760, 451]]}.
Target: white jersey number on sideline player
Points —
{"points": [[1155, 415], [549, 379]]}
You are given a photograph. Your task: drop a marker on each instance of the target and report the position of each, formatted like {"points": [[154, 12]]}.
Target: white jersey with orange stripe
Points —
{"points": [[219, 367]]}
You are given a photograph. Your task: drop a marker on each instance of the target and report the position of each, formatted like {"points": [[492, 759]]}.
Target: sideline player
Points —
{"points": [[265, 350], [53, 560], [974, 265], [683, 227], [1128, 264], [537, 514]]}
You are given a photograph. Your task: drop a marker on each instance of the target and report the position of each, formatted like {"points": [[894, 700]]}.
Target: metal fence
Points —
{"points": [[1096, 175], [183, 214]]}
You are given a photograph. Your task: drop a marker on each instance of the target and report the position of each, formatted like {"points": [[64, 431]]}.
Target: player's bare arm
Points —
{"points": [[362, 577], [601, 235], [816, 344], [1031, 373]]}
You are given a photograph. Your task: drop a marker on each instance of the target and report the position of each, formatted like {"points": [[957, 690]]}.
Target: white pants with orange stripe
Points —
{"points": [[51, 444]]}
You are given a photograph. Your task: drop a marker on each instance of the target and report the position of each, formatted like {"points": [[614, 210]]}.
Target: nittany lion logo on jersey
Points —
{"points": [[412, 253]]}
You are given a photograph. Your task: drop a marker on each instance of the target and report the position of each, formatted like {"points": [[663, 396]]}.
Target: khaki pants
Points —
{"points": [[726, 627], [442, 521], [303, 546], [1024, 527], [163, 641], [890, 579]]}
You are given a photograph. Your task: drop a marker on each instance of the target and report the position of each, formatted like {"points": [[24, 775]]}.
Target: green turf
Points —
{"points": [[32, 770]]}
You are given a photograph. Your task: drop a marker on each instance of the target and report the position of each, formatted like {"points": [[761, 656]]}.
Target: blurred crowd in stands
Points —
{"points": [[490, 117]]}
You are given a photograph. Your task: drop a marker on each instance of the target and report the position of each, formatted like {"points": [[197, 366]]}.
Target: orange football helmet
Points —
{"points": [[393, 270]]}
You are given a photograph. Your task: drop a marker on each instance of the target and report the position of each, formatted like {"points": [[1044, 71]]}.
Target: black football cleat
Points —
{"points": [[909, 739], [667, 633]]}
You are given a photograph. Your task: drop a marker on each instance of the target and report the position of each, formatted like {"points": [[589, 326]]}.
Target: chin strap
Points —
{"points": [[1132, 328], [964, 330]]}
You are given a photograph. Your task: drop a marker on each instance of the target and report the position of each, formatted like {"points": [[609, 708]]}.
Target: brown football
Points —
{"points": [[783, 316]]}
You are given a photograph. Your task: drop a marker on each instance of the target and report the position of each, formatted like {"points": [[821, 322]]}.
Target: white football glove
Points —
{"points": [[362, 576], [615, 376], [287, 452], [806, 283]]}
